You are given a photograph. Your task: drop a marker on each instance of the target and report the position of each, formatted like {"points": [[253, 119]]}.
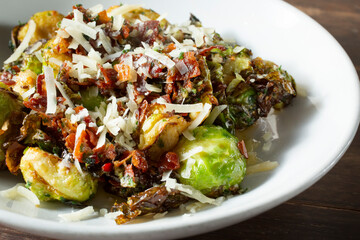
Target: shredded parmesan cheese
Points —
{"points": [[28, 93], [82, 214], [24, 44], [123, 9], [160, 57], [214, 114], [184, 108], [20, 190], [50, 90], [198, 120]]}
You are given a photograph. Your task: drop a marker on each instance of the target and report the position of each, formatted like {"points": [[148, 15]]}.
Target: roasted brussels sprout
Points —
{"points": [[274, 86], [46, 24], [10, 119], [160, 131], [49, 179], [211, 163], [153, 200]]}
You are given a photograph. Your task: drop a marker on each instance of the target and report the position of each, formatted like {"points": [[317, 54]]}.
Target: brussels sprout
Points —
{"points": [[46, 24], [32, 63], [160, 133], [10, 119], [241, 111], [217, 167], [51, 180], [90, 101]]}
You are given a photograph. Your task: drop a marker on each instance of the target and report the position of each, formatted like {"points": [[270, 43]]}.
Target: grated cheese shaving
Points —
{"points": [[152, 88], [189, 192], [198, 120], [77, 35], [28, 93], [94, 10], [26, 193], [113, 215], [160, 57], [118, 22], [123, 9], [183, 108], [82, 214], [20, 190], [190, 153], [214, 114], [24, 44], [50, 90], [80, 27]]}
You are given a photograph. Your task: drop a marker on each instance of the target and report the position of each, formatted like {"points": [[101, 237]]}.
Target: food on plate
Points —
{"points": [[212, 162], [123, 99]]}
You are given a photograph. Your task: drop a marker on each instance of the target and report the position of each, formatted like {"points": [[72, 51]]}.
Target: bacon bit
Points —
{"points": [[6, 78], [61, 46], [206, 51], [169, 48], [110, 76], [103, 17], [70, 141], [110, 152], [137, 158], [107, 167], [169, 88], [129, 171], [81, 50], [82, 146], [191, 63], [139, 161], [169, 161], [40, 84], [37, 104], [148, 31], [141, 113], [16, 68], [125, 31], [123, 72], [167, 98], [241, 146], [93, 139]]}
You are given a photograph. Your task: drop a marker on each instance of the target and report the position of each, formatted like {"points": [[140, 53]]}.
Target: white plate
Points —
{"points": [[314, 131]]}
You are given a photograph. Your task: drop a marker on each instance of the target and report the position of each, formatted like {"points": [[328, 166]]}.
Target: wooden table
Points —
{"points": [[331, 208]]}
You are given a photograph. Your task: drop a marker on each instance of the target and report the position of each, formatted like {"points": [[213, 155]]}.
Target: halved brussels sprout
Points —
{"points": [[211, 163], [46, 24], [160, 132], [51, 180], [10, 119]]}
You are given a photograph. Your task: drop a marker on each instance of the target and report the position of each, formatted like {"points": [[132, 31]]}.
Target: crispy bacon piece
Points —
{"points": [[241, 146], [148, 31], [6, 78], [192, 65], [169, 161], [206, 51], [103, 17], [137, 158]]}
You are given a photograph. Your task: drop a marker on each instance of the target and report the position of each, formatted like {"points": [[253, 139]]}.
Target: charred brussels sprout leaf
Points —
{"points": [[10, 119], [216, 162], [241, 111]]}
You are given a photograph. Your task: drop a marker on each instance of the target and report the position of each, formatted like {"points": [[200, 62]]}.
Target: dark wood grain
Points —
{"points": [[331, 208]]}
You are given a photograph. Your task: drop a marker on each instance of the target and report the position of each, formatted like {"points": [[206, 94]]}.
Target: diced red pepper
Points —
{"points": [[107, 167]]}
